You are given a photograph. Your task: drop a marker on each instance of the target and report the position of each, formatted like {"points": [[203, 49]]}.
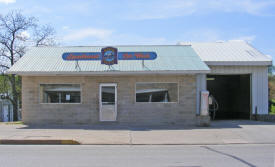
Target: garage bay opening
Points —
{"points": [[231, 96]]}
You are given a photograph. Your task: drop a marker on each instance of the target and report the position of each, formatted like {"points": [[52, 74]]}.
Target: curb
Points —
{"points": [[74, 142], [177, 144], [46, 142]]}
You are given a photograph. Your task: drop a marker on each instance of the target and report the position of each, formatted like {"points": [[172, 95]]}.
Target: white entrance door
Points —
{"points": [[5, 113], [108, 102]]}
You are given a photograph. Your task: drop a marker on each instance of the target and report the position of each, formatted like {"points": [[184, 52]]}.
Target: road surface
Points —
{"points": [[137, 156]]}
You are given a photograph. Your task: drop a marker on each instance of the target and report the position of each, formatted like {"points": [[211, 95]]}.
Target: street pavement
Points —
{"points": [[220, 132], [237, 155]]}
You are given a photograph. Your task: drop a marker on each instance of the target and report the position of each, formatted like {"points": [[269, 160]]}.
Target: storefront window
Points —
{"points": [[60, 93], [157, 92]]}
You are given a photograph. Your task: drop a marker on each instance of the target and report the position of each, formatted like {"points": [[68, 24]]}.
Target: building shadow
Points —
{"points": [[221, 124]]}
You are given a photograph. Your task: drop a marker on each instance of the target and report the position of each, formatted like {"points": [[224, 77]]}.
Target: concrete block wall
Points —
{"points": [[128, 111]]}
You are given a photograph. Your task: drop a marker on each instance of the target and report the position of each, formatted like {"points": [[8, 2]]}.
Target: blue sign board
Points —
{"points": [[109, 56], [81, 56], [137, 55]]}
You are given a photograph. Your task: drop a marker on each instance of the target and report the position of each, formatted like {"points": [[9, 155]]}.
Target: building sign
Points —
{"points": [[137, 55], [109, 56], [82, 56]]}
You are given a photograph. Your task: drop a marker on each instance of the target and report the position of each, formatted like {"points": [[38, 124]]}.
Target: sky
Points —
{"points": [[125, 22]]}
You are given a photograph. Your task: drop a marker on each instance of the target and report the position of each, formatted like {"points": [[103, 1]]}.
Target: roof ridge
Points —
{"points": [[107, 46], [211, 42]]}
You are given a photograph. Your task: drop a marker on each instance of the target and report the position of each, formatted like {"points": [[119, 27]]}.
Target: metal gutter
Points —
{"points": [[238, 63], [104, 73]]}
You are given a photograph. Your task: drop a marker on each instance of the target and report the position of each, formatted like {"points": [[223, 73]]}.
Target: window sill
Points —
{"points": [[60, 103], [156, 102]]}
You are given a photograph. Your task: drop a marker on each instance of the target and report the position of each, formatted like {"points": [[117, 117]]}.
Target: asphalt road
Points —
{"points": [[137, 156]]}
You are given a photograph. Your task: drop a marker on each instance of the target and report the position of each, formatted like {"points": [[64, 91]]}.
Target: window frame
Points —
{"points": [[175, 102], [41, 100]]}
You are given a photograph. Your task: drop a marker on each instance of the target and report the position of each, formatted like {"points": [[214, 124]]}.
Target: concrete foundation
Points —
{"points": [[203, 120]]}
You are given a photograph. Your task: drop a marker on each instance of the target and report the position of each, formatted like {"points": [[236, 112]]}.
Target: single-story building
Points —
{"points": [[151, 84]]}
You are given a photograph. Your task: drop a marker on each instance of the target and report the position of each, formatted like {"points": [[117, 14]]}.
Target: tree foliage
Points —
{"points": [[271, 70], [17, 33]]}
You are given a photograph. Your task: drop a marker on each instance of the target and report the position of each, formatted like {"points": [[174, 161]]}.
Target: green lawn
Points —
{"points": [[272, 107], [12, 123]]}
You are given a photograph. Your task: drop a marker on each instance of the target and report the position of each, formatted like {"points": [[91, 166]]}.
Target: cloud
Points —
{"points": [[7, 1], [161, 9], [96, 36], [65, 27], [25, 35], [201, 35], [37, 10], [248, 39], [253, 7], [87, 33], [133, 39], [86, 7], [213, 35]]}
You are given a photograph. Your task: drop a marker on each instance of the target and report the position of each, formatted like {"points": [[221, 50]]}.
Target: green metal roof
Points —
{"points": [[170, 59]]}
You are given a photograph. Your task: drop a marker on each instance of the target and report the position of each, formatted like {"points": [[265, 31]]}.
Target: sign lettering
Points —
{"points": [[137, 55], [82, 56], [109, 56]]}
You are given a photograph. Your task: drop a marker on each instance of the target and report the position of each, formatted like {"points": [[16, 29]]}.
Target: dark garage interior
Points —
{"points": [[232, 93]]}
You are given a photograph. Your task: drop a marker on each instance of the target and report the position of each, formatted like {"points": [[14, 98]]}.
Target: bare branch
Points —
{"points": [[12, 26], [20, 51], [44, 36], [3, 55], [4, 66], [17, 33]]}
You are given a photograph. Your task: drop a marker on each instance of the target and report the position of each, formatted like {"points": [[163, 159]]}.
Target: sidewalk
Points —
{"points": [[220, 132]]}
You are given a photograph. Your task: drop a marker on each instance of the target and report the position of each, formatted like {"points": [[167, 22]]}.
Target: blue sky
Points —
{"points": [[114, 22]]}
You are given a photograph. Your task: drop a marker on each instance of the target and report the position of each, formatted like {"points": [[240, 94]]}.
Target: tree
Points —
{"points": [[271, 70], [17, 33]]}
